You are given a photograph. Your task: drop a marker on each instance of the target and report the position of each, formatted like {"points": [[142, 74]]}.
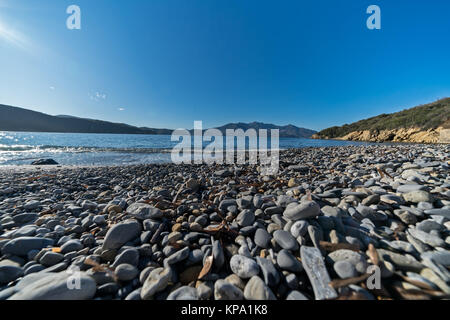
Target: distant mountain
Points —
{"points": [[19, 119], [289, 131], [429, 123]]}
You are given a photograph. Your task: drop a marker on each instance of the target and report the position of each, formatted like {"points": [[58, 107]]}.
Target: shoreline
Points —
{"points": [[147, 231]]}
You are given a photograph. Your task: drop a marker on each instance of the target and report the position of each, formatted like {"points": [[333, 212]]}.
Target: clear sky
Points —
{"points": [[166, 63]]}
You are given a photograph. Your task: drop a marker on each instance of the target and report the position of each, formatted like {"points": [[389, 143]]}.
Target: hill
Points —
{"points": [[19, 119], [425, 124]]}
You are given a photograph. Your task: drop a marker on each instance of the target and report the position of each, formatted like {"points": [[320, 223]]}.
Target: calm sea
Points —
{"points": [[19, 148]]}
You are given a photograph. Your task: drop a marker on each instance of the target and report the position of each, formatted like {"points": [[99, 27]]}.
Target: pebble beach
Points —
{"points": [[315, 231]]}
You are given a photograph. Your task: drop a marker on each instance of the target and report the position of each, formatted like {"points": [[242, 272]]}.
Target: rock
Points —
{"points": [[226, 291], [192, 184], [262, 238], [71, 245], [51, 258], [427, 238], [156, 281], [303, 210], [285, 240], [184, 293], [218, 256], [270, 273], [345, 269], [417, 196], [296, 295], [299, 228], [190, 274], [128, 256], [405, 188], [9, 273], [32, 205], [21, 246], [244, 267], [245, 218], [126, 272], [355, 258], [401, 261], [314, 266], [178, 256], [58, 286], [256, 289], [287, 261], [143, 211], [121, 233], [44, 162]]}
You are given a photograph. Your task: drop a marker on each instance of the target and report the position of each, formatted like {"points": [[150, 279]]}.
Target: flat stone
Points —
{"points": [[121, 233], [314, 266], [270, 273], [256, 289], [244, 267], [21, 246], [9, 273], [58, 286], [285, 240], [143, 211], [355, 258], [184, 293], [51, 258], [345, 269], [299, 228], [71, 245], [262, 238], [157, 281], [245, 218], [178, 256], [400, 261], [226, 291], [427, 238], [303, 210], [287, 261]]}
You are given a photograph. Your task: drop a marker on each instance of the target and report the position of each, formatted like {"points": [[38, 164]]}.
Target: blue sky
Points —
{"points": [[166, 63]]}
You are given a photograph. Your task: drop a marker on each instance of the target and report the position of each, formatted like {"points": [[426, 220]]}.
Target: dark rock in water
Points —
{"points": [[44, 162], [314, 266]]}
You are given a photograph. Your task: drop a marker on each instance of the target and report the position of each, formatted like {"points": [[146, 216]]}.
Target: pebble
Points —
{"points": [[314, 266], [226, 291], [256, 289], [303, 210], [285, 240], [54, 286], [244, 267], [120, 234]]}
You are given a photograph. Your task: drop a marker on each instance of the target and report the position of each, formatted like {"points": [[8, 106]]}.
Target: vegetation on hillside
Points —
{"points": [[429, 116]]}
